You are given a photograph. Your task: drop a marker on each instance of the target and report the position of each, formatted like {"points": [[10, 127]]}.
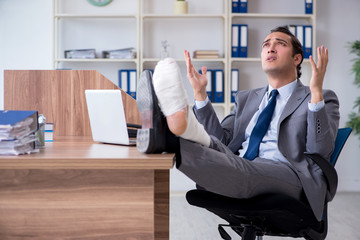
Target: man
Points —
{"points": [[231, 158]]}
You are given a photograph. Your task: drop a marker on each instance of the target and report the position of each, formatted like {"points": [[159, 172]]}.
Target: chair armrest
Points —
{"points": [[329, 173]]}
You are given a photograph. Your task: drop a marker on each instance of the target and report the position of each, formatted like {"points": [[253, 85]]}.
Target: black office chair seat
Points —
{"points": [[267, 214]]}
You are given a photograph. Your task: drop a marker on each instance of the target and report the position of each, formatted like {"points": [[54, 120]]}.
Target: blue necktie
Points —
{"points": [[261, 127]]}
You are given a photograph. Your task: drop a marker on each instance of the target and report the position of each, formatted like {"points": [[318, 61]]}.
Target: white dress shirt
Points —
{"points": [[268, 147]]}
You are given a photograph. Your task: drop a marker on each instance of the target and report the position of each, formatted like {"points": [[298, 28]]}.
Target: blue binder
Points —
{"points": [[292, 29], [300, 33], [209, 86], [124, 80], [243, 37], [235, 6], [234, 83], [12, 117], [218, 79], [132, 82], [235, 50], [308, 6], [307, 41], [243, 6]]}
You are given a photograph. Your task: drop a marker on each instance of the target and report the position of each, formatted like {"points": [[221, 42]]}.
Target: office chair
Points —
{"points": [[271, 214]]}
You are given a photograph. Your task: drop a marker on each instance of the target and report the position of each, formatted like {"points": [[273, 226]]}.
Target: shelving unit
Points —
{"points": [[61, 13], [267, 21], [147, 19]]}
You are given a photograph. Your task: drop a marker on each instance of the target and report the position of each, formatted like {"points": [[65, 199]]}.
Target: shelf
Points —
{"points": [[182, 60], [245, 59], [271, 15], [184, 16], [306, 60], [66, 15], [104, 60], [145, 15]]}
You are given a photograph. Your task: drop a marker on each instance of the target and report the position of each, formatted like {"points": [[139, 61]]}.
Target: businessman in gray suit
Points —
{"points": [[304, 120]]}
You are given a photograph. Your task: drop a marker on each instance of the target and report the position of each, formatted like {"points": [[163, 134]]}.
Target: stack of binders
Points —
{"points": [[215, 86], [308, 6], [239, 6], [304, 34], [127, 81], [17, 130], [239, 40]]}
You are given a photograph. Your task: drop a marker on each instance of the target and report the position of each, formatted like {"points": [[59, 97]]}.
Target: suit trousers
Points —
{"points": [[219, 170]]}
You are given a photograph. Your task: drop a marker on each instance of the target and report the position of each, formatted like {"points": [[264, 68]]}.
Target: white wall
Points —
{"points": [[338, 24], [25, 36], [26, 43]]}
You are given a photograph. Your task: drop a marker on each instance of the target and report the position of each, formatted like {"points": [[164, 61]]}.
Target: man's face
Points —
{"points": [[276, 54]]}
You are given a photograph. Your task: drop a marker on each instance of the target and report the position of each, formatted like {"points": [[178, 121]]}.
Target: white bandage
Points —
{"points": [[169, 87], [172, 97], [195, 131]]}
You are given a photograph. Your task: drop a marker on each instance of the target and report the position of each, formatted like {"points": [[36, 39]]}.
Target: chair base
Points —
{"points": [[268, 214]]}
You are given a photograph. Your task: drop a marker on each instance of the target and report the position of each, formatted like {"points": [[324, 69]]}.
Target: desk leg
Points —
{"points": [[161, 221]]}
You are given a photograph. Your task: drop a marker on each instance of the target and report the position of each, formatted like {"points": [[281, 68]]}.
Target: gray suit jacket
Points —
{"points": [[300, 131]]}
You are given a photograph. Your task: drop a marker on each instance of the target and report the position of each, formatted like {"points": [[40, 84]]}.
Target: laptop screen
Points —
{"points": [[107, 116]]}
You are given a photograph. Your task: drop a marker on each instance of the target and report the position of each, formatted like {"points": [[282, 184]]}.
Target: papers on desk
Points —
{"points": [[17, 130]]}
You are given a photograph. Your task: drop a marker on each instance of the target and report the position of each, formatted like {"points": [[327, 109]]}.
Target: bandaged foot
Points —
{"points": [[173, 102]]}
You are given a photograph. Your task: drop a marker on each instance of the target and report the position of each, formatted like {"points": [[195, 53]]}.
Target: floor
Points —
{"points": [[192, 223]]}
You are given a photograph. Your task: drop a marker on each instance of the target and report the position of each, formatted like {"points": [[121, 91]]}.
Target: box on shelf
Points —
{"points": [[125, 53], [80, 53]]}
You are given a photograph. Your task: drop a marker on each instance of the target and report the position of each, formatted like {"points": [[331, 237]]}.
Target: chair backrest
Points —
{"points": [[341, 137]]}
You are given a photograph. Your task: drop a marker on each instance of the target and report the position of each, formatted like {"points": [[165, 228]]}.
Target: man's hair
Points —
{"points": [[297, 48]]}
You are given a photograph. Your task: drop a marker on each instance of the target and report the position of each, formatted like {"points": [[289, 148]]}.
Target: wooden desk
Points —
{"points": [[77, 189]]}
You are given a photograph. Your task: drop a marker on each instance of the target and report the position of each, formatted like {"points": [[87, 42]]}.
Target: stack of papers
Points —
{"points": [[17, 130]]}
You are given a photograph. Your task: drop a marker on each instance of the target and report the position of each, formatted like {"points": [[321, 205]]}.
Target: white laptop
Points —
{"points": [[107, 117]]}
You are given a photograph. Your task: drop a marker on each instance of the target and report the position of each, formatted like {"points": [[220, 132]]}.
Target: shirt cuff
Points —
{"points": [[201, 104], [315, 107]]}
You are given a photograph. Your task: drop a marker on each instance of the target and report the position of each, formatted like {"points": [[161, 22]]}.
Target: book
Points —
{"points": [[49, 132], [206, 54]]}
